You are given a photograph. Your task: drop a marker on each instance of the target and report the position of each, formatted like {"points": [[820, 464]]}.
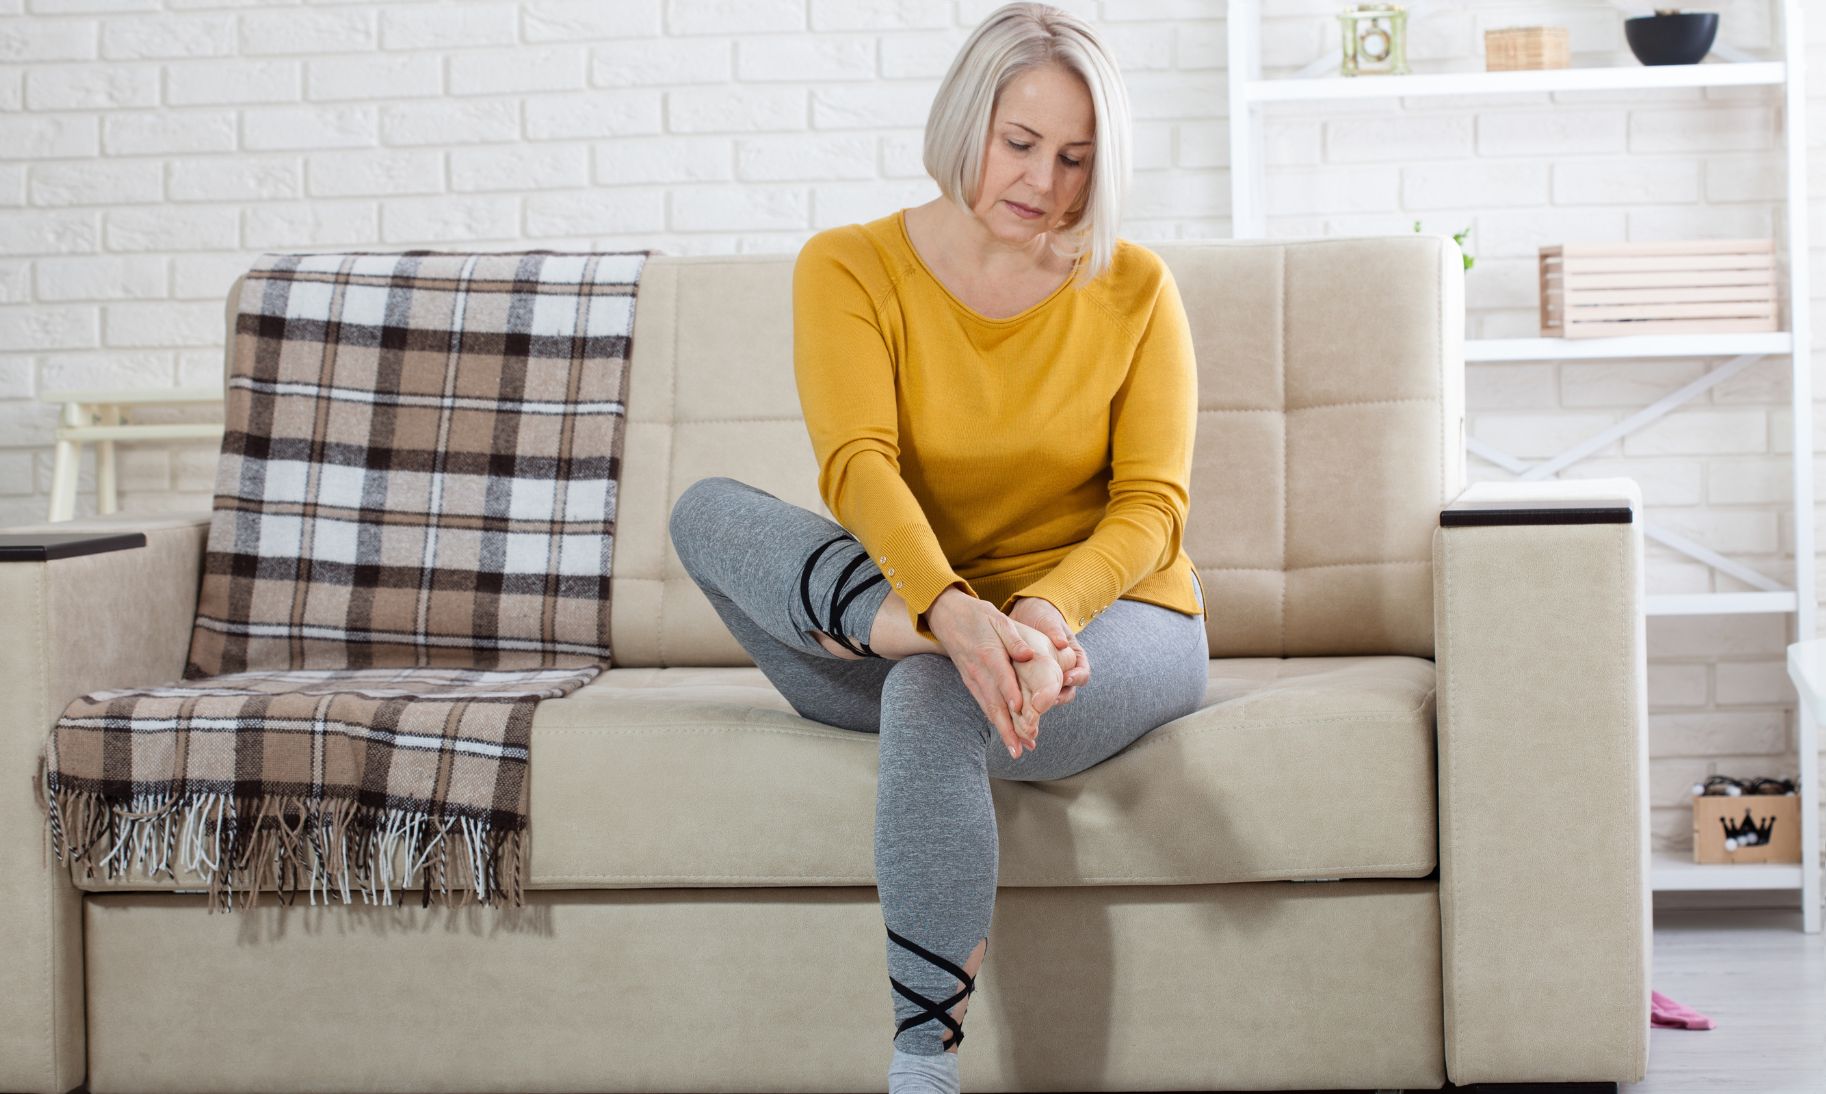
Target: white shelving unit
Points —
{"points": [[1251, 94]]}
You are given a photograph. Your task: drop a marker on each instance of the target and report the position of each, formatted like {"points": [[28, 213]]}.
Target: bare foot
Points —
{"points": [[1041, 678]]}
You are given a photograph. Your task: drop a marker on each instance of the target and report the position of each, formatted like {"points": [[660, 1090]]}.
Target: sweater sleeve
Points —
{"points": [[1153, 417], [845, 376]]}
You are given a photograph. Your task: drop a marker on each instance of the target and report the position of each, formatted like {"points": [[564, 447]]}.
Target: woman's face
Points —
{"points": [[1038, 154]]}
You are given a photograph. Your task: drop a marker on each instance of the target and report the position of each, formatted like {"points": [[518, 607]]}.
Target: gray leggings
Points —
{"points": [[760, 561]]}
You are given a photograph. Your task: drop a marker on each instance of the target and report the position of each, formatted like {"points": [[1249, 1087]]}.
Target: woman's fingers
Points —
{"points": [[997, 664], [1000, 708], [1020, 705], [1017, 647], [1010, 690], [1005, 728]]}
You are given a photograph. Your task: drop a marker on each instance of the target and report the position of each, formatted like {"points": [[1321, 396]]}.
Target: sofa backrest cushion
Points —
{"points": [[1330, 432]]}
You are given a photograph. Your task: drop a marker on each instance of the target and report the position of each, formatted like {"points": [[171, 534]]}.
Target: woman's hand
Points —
{"points": [[984, 644], [1042, 616]]}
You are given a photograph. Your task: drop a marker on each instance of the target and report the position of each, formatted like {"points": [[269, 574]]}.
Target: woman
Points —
{"points": [[1001, 396]]}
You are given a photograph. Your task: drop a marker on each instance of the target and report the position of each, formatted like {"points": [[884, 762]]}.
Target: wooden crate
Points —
{"points": [[1780, 812], [1509, 48], [1595, 290]]}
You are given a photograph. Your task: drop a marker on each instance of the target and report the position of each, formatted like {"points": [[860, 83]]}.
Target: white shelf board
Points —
{"points": [[1628, 345], [1718, 603], [1676, 870], [128, 396], [1608, 78]]}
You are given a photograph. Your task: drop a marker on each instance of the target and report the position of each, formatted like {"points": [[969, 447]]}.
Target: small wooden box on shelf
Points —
{"points": [[1772, 819], [1594, 290], [1511, 49]]}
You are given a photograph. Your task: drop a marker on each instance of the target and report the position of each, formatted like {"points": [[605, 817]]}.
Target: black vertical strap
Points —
{"points": [[838, 608], [805, 596], [805, 583], [858, 591]]}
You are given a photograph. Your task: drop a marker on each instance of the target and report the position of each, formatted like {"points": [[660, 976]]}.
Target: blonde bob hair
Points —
{"points": [[1012, 40]]}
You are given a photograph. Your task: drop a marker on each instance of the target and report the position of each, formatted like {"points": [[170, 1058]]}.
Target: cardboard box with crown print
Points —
{"points": [[1761, 828]]}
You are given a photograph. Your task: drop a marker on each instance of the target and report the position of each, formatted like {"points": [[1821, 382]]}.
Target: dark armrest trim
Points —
{"points": [[1568, 512], [45, 546]]}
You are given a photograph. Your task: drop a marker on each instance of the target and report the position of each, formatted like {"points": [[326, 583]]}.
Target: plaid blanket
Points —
{"points": [[410, 547]]}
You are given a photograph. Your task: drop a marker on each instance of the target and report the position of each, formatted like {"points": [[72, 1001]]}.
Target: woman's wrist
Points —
{"points": [[947, 599], [944, 603]]}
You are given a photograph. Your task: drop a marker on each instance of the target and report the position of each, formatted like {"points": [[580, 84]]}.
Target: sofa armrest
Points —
{"points": [[1545, 901], [73, 625]]}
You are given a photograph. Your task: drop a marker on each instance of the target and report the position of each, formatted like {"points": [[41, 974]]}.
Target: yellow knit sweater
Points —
{"points": [[1046, 454]]}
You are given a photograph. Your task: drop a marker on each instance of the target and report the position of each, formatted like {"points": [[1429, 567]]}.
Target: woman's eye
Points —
{"points": [[1069, 162]]}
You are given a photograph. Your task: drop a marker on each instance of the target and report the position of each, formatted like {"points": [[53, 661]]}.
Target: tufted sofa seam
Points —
{"points": [[1162, 879], [1281, 303], [671, 474], [859, 738]]}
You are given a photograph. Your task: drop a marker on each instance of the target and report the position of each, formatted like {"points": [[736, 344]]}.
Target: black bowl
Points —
{"points": [[1682, 39]]}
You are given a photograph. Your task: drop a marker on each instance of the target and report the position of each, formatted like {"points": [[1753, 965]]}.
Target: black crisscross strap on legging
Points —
{"points": [[940, 1011], [840, 601]]}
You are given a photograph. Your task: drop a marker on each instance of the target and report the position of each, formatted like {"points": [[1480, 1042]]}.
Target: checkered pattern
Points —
{"points": [[410, 547]]}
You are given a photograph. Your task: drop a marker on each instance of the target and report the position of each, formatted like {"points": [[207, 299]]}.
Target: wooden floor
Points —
{"points": [[1763, 981]]}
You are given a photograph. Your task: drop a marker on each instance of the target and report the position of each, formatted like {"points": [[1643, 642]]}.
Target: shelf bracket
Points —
{"points": [[1713, 559], [1525, 471], [1641, 418]]}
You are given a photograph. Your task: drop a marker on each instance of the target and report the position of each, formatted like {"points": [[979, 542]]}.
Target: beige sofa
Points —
{"points": [[1404, 841]]}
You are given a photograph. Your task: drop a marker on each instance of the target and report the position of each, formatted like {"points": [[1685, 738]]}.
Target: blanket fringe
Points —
{"points": [[242, 845]]}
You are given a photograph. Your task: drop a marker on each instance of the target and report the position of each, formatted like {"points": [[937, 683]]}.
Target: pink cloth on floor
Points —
{"points": [[1665, 1012]]}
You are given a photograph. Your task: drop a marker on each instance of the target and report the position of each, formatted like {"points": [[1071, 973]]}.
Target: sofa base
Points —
{"points": [[1271, 985], [1536, 1088]]}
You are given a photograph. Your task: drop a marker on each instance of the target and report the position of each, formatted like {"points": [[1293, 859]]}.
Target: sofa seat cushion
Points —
{"points": [[1293, 767], [1297, 768]]}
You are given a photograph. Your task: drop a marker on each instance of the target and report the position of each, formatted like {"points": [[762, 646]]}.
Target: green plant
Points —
{"points": [[1458, 238]]}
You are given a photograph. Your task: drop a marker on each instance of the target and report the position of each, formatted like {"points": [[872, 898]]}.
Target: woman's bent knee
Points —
{"points": [[926, 694], [693, 512], [694, 497]]}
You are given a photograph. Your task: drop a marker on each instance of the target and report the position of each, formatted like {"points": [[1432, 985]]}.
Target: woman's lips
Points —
{"points": [[1023, 211]]}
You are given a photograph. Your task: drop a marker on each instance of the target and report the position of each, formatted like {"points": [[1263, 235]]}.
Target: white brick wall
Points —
{"points": [[148, 150]]}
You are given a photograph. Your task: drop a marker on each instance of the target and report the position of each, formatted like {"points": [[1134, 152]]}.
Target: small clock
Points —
{"points": [[1375, 40]]}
